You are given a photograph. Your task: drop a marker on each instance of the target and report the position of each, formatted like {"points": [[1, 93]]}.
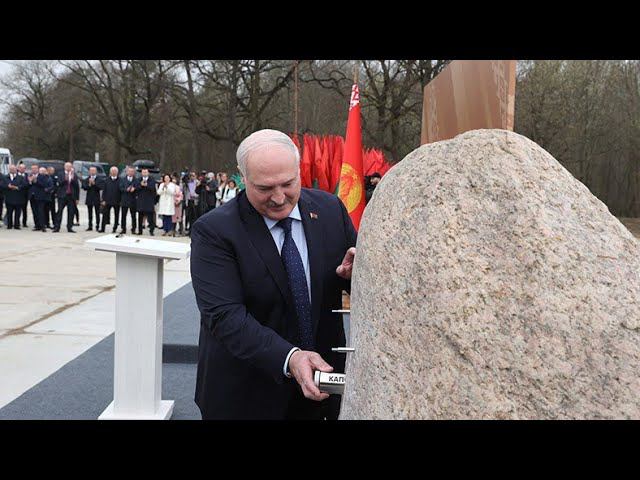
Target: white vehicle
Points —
{"points": [[5, 160]]}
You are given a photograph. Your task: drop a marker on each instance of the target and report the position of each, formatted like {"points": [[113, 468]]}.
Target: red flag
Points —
{"points": [[318, 169], [305, 163], [294, 138], [327, 153], [336, 163], [351, 188]]}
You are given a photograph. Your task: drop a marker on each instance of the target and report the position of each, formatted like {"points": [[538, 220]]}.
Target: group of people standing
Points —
{"points": [[139, 197], [204, 192], [39, 188]]}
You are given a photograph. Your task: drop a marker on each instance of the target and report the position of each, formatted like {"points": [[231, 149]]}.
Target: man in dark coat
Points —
{"points": [[22, 172], [93, 185], [50, 205], [146, 194], [128, 199], [42, 194], [111, 199], [14, 186], [32, 178], [268, 267], [68, 192]]}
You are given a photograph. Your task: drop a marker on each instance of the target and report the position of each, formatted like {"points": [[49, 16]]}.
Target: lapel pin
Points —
{"points": [[313, 215]]}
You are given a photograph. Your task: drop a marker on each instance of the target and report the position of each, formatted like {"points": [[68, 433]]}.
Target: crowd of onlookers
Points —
{"points": [[177, 199]]}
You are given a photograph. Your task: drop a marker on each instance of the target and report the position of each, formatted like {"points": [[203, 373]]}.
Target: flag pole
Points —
{"points": [[355, 73], [295, 100]]}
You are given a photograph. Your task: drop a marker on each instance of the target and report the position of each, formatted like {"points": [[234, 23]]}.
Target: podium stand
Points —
{"points": [[137, 380]]}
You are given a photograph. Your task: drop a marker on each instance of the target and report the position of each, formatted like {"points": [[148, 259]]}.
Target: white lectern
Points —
{"points": [[137, 380]]}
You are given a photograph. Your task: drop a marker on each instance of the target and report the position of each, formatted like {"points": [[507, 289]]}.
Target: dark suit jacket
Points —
{"points": [[248, 320], [42, 188], [111, 191], [25, 191], [127, 199], [93, 191], [145, 196], [31, 187], [62, 186], [14, 197]]}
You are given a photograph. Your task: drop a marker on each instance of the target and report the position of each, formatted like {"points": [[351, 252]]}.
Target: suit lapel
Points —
{"points": [[262, 240], [313, 235]]}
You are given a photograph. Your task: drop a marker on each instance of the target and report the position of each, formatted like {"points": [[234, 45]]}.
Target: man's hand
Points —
{"points": [[302, 363], [345, 268]]}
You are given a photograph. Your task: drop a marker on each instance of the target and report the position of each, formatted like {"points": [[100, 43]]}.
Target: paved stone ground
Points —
{"points": [[57, 300]]}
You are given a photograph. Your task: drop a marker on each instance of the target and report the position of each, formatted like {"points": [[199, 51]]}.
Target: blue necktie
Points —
{"points": [[298, 285]]}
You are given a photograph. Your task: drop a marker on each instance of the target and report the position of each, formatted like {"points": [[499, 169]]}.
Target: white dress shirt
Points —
{"points": [[297, 232]]}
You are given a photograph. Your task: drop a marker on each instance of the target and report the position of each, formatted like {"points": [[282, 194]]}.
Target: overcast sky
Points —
{"points": [[5, 66]]}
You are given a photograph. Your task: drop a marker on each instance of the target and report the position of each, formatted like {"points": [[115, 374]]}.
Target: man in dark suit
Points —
{"points": [[145, 200], [14, 186], [42, 190], [111, 199], [128, 199], [68, 192], [50, 204], [268, 267], [22, 172], [93, 186], [32, 178]]}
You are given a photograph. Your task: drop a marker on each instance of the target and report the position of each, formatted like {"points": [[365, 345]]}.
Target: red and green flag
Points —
{"points": [[351, 186]]}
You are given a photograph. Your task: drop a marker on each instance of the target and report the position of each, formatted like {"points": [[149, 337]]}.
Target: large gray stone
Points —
{"points": [[490, 283]]}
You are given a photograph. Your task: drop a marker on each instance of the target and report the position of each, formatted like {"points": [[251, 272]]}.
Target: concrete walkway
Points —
{"points": [[57, 300]]}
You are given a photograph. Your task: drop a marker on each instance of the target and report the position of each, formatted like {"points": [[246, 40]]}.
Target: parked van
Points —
{"points": [[5, 160]]}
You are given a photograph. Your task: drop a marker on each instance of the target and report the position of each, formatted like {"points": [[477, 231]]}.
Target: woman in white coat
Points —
{"points": [[229, 192], [166, 204]]}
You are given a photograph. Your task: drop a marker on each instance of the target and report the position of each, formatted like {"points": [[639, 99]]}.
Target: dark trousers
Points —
{"points": [[106, 216], [190, 214], [1, 208], [41, 220], [23, 209], [123, 218], [50, 213], [301, 408], [70, 204], [167, 224], [151, 221], [91, 209], [13, 215]]}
